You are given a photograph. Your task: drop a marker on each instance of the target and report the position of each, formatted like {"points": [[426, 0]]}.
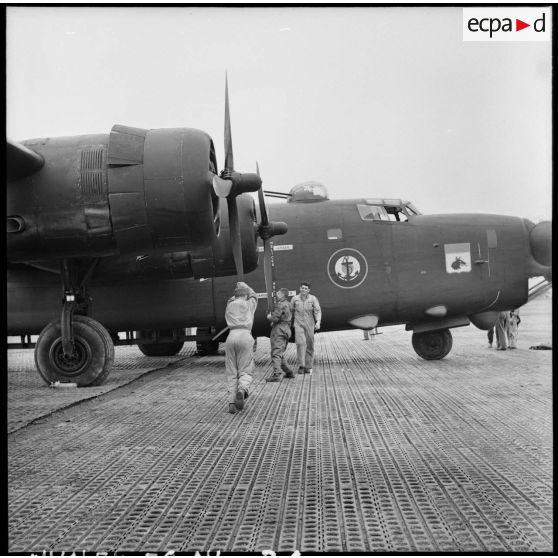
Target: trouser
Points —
{"points": [[501, 339], [239, 361], [512, 337], [279, 339], [304, 340], [490, 335]]}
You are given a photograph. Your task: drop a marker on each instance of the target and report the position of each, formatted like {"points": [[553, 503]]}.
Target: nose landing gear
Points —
{"points": [[432, 345]]}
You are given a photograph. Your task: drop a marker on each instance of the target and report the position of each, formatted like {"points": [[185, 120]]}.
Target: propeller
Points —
{"points": [[267, 230], [231, 184], [269, 261]]}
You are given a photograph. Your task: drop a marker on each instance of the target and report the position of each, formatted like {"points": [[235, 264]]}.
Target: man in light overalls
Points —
{"points": [[239, 354], [307, 319]]}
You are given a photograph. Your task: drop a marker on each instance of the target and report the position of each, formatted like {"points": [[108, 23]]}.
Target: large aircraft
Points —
{"points": [[136, 232]]}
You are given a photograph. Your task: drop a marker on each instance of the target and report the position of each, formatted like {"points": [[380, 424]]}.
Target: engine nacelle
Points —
{"points": [[130, 192], [214, 261]]}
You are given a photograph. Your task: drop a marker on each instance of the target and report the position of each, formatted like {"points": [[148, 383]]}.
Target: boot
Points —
{"points": [[275, 377], [240, 397], [288, 372]]}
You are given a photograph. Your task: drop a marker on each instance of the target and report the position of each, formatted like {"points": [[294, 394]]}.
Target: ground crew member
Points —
{"points": [[490, 335], [501, 328], [307, 317], [279, 337], [239, 354], [513, 324]]}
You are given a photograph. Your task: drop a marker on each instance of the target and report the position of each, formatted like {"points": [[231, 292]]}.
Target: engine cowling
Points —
{"points": [[130, 192], [214, 261]]}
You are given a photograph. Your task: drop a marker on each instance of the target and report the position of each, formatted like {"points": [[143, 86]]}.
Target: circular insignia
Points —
{"points": [[347, 268]]}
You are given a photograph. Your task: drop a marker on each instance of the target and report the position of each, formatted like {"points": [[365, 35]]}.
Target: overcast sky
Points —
{"points": [[375, 102]]}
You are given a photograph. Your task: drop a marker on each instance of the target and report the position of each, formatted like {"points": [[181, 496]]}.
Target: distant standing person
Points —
{"points": [[501, 329], [513, 323], [307, 318], [490, 335], [239, 347], [279, 337]]}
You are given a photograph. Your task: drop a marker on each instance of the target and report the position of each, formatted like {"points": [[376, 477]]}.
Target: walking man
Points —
{"points": [[307, 319], [280, 320], [239, 354]]}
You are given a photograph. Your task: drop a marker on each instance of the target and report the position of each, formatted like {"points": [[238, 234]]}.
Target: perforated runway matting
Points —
{"points": [[376, 451]]}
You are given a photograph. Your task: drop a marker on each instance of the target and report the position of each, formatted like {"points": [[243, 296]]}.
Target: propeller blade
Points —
{"points": [[236, 241], [261, 199], [269, 263], [269, 274], [229, 161]]}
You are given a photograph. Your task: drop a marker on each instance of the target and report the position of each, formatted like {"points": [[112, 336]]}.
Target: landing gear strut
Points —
{"points": [[432, 345], [75, 348]]}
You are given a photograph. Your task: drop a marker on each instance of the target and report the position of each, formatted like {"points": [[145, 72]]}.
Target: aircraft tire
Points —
{"points": [[161, 349], [432, 345], [93, 358], [205, 348]]}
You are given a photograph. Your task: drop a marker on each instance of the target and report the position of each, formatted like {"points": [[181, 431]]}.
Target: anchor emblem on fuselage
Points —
{"points": [[347, 268]]}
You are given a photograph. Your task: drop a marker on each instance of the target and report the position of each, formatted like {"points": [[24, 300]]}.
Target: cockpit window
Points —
{"points": [[372, 212], [381, 213], [411, 209], [396, 214]]}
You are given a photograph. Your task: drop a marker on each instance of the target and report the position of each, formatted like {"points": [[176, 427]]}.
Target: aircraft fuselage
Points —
{"points": [[430, 271]]}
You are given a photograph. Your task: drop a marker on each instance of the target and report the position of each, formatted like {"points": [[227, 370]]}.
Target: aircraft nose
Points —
{"points": [[540, 240]]}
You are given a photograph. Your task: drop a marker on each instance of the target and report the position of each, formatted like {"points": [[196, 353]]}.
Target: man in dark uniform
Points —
{"points": [[280, 320]]}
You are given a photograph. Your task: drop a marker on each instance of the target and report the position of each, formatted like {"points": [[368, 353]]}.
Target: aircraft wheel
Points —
{"points": [[207, 347], [432, 345], [92, 359], [161, 349]]}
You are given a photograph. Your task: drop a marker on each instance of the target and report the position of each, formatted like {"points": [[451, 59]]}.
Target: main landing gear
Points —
{"points": [[87, 363], [160, 348], [432, 345], [205, 345], [75, 348]]}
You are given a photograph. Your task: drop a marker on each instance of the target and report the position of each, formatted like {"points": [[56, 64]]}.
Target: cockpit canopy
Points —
{"points": [[380, 209], [308, 192]]}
